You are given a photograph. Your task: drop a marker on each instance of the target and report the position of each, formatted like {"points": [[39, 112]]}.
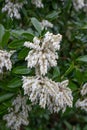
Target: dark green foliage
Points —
{"points": [[72, 63]]}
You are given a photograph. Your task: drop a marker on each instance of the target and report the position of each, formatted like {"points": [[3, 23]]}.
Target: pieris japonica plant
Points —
{"points": [[43, 64], [55, 96]]}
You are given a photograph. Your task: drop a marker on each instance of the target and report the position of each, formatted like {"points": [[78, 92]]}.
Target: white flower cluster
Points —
{"points": [[54, 96], [84, 89], [46, 24], [18, 114], [43, 53], [37, 3], [83, 103], [5, 61], [12, 8], [85, 6], [78, 4]]}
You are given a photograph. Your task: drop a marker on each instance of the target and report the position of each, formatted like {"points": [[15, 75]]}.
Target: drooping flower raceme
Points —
{"points": [[84, 89], [37, 3], [49, 94], [83, 103], [78, 4], [85, 6], [12, 8], [43, 52], [5, 61], [46, 24], [18, 114]]}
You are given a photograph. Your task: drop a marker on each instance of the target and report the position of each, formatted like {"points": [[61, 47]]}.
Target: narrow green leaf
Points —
{"points": [[68, 5], [82, 58], [14, 83], [28, 36], [16, 44], [3, 86], [2, 31], [78, 75], [69, 70], [36, 24], [4, 97], [23, 53], [56, 72], [5, 38], [3, 109], [17, 33], [72, 86], [21, 70], [84, 27], [52, 15], [68, 125]]}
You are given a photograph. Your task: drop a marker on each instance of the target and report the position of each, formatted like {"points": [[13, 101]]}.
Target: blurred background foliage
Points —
{"points": [[72, 63]]}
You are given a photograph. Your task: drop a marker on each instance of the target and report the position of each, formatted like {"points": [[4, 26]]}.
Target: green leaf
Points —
{"points": [[72, 86], [78, 75], [21, 70], [28, 36], [16, 44], [17, 33], [69, 70], [56, 72], [85, 128], [14, 83], [25, 13], [3, 109], [4, 97], [54, 5], [82, 58], [84, 27], [3, 86], [5, 38], [36, 24], [2, 31], [68, 125], [23, 53], [68, 5], [85, 74], [52, 15]]}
